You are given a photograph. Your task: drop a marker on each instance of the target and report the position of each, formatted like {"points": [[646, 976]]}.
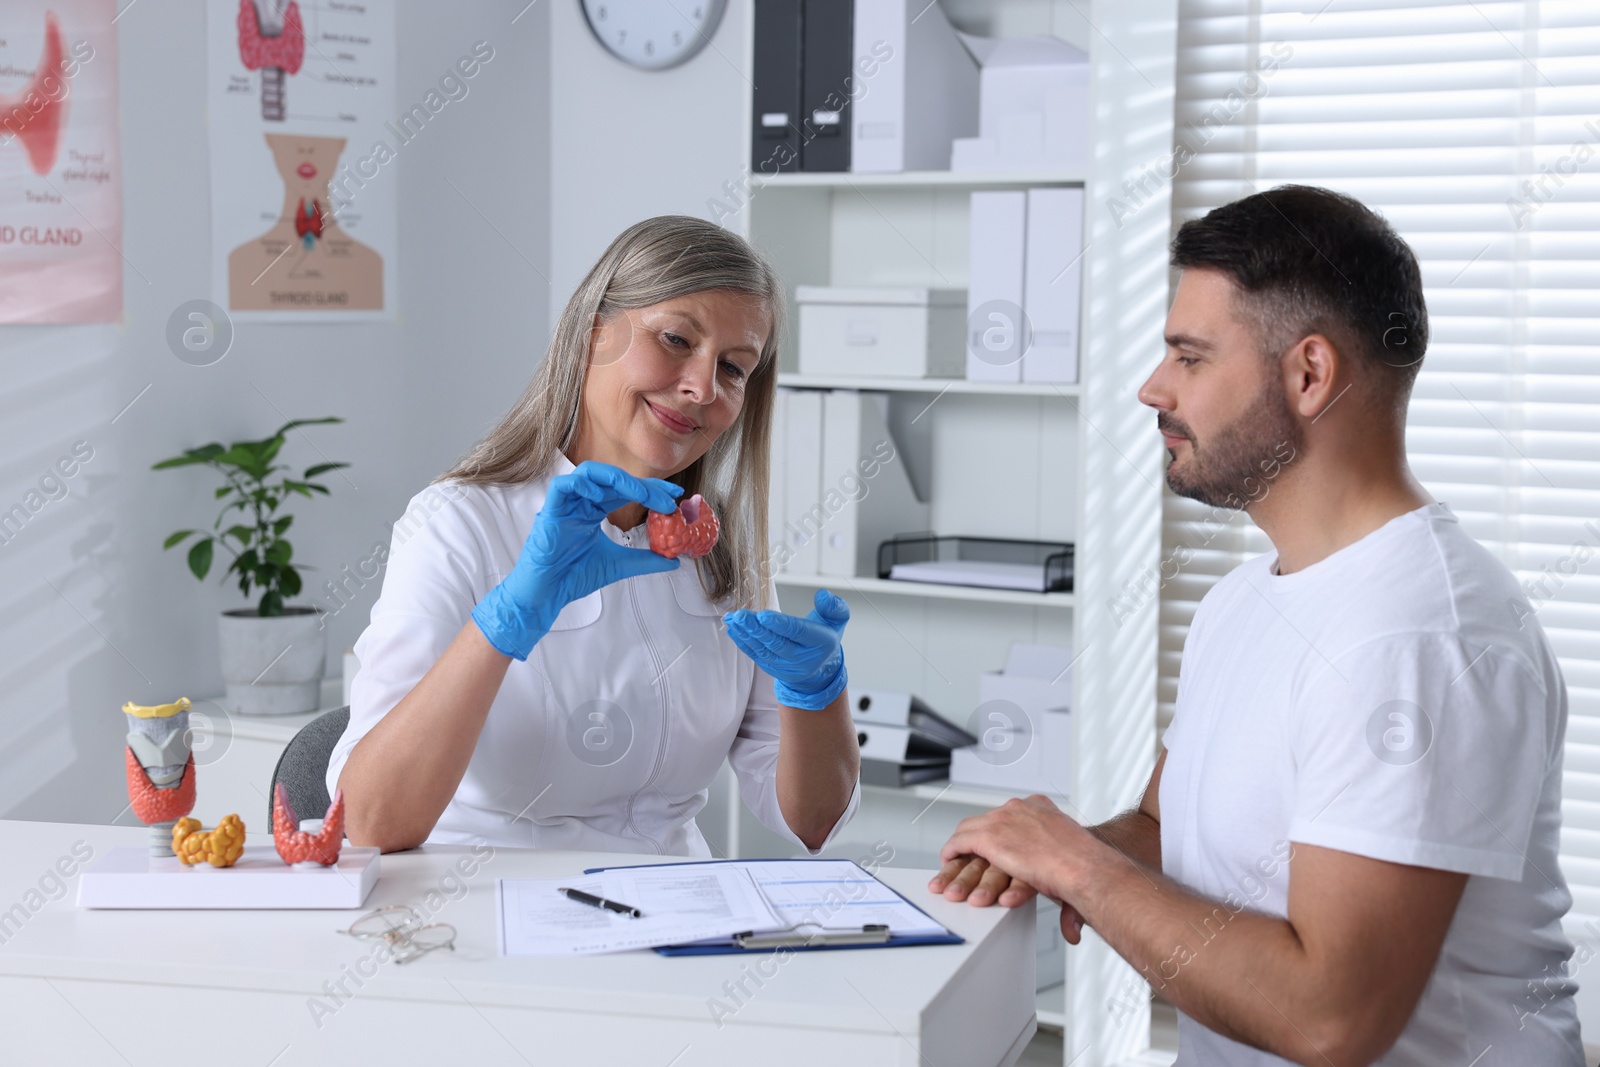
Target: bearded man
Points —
{"points": [[1347, 851]]}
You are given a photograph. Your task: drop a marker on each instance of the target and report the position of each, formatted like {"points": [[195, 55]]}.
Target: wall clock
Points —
{"points": [[653, 34]]}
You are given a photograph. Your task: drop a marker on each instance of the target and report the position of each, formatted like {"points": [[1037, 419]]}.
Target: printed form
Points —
{"points": [[688, 902], [700, 902]]}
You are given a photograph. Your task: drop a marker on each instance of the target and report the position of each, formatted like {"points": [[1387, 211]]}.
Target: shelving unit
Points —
{"points": [[888, 587], [917, 178], [1050, 1005], [1076, 462], [950, 793], [937, 386]]}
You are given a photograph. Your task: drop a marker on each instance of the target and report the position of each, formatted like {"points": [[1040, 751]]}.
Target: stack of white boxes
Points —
{"points": [[1033, 109], [1024, 277], [1023, 725]]}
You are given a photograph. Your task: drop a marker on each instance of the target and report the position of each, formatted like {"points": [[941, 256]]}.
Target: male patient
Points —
{"points": [[1347, 851]]}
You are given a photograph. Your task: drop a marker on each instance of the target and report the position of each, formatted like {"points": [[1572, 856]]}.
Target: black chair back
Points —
{"points": [[303, 766]]}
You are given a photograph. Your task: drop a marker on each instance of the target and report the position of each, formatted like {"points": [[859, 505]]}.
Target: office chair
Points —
{"points": [[303, 766]]}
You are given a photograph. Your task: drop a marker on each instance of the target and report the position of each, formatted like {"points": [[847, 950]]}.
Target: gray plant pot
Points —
{"points": [[272, 666]]}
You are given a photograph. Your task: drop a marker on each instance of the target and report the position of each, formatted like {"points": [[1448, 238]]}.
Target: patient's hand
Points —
{"points": [[972, 879]]}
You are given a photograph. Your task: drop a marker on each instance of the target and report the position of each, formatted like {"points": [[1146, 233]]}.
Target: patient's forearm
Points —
{"points": [[1134, 834], [1239, 973]]}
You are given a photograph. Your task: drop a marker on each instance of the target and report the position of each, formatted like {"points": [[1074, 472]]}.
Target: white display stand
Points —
{"points": [[129, 877]]}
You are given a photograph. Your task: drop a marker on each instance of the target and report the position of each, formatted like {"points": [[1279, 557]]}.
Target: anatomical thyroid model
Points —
{"points": [[160, 767], [161, 789], [306, 846]]}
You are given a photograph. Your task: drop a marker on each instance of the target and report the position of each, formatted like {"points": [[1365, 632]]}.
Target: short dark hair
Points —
{"points": [[1308, 260]]}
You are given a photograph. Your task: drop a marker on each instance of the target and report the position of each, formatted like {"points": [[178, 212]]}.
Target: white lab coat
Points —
{"points": [[608, 736]]}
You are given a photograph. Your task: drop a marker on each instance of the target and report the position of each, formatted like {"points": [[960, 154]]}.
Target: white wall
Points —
{"points": [[627, 144], [92, 612]]}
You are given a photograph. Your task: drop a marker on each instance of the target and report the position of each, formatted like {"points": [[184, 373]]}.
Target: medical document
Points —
{"points": [[680, 902], [833, 895], [699, 902]]}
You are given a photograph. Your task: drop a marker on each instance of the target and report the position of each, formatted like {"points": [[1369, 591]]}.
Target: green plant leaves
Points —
{"points": [[200, 557], [262, 556], [286, 427], [191, 456]]}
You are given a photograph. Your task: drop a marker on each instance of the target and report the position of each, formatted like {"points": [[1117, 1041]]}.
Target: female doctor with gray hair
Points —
{"points": [[533, 675]]}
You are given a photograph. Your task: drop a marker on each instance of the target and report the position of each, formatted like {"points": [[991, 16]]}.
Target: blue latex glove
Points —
{"points": [[804, 656], [567, 556]]}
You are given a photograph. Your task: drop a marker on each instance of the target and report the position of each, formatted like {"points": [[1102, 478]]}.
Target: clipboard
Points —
{"points": [[866, 936]]}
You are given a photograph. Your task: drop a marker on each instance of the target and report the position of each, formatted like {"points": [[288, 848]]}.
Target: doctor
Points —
{"points": [[533, 675]]}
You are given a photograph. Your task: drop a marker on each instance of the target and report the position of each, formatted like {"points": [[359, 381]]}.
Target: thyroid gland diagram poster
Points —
{"points": [[303, 205], [60, 174]]}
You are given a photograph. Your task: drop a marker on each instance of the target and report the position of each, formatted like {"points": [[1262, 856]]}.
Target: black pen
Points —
{"points": [[601, 902]]}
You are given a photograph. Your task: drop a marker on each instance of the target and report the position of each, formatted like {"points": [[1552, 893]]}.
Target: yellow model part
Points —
{"points": [[156, 711], [220, 847]]}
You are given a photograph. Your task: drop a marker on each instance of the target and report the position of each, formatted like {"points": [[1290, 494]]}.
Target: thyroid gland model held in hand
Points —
{"points": [[306, 261], [690, 531]]}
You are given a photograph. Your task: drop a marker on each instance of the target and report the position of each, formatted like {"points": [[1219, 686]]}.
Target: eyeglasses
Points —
{"points": [[404, 931]]}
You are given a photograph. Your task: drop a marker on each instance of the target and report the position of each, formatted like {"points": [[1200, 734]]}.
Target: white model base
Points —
{"points": [[128, 877]]}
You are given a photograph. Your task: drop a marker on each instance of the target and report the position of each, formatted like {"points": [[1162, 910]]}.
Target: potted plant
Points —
{"points": [[273, 653]]}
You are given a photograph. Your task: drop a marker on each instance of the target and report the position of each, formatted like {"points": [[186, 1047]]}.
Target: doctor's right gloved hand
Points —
{"points": [[567, 556], [804, 656]]}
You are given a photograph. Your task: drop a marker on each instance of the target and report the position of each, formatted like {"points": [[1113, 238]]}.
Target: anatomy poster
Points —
{"points": [[60, 175], [303, 221]]}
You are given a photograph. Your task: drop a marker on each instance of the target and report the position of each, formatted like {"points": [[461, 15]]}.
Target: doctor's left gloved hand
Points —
{"points": [[804, 656]]}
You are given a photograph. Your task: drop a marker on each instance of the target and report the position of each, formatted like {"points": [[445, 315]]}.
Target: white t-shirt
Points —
{"points": [[1390, 701], [607, 737]]}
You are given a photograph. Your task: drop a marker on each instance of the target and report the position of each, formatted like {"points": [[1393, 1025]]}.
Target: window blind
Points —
{"points": [[1475, 129]]}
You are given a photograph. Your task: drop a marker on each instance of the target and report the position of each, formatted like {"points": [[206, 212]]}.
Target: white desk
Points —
{"points": [[244, 987]]}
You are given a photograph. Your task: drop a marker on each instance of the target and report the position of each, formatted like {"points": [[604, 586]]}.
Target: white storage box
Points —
{"points": [[1043, 766], [1025, 737], [872, 332], [1033, 107]]}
